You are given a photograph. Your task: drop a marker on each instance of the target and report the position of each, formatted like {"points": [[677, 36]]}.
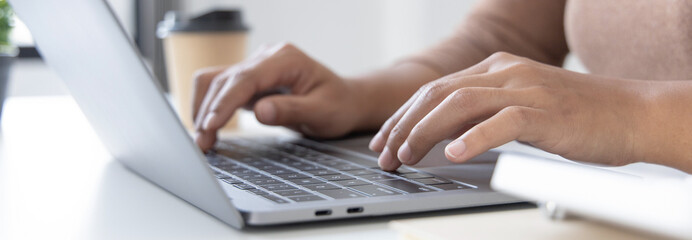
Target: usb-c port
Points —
{"points": [[323, 212], [354, 210]]}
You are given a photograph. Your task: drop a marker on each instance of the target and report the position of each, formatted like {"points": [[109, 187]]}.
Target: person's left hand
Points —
{"points": [[504, 98]]}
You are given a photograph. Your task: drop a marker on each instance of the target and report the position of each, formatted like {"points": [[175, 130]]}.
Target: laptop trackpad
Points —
{"points": [[435, 162], [477, 170]]}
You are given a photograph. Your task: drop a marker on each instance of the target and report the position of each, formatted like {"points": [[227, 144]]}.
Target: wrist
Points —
{"points": [[378, 95], [666, 134]]}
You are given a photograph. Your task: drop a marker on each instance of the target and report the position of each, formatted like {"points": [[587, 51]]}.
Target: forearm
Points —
{"points": [[381, 93], [666, 133], [532, 29]]}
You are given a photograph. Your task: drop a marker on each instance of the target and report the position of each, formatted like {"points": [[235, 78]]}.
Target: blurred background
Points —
{"points": [[349, 36]]}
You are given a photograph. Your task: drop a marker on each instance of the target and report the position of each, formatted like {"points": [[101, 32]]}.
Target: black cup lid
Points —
{"points": [[215, 21]]}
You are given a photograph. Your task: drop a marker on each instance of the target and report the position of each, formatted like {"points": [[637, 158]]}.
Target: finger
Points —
{"points": [[387, 160], [202, 80], [205, 139], [512, 123], [215, 87], [219, 81], [431, 96], [458, 111], [378, 142], [270, 76], [281, 69], [286, 110], [205, 97]]}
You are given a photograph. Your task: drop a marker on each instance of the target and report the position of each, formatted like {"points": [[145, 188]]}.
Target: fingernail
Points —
{"points": [[404, 153], [386, 161], [375, 144], [456, 148], [207, 120], [267, 112], [306, 130]]}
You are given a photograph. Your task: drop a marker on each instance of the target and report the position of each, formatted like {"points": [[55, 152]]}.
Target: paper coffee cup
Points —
{"points": [[216, 38]]}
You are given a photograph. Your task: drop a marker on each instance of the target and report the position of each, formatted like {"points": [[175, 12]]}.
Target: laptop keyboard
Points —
{"points": [[287, 172]]}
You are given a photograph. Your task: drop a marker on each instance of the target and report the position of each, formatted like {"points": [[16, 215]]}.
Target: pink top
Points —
{"points": [[635, 39]]}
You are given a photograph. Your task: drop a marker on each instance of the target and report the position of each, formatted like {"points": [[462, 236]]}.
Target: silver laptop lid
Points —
{"points": [[82, 41]]}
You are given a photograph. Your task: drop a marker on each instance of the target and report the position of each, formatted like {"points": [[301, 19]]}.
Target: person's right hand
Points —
{"points": [[319, 104]]}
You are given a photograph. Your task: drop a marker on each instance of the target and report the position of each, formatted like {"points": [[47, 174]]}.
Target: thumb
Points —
{"points": [[285, 110]]}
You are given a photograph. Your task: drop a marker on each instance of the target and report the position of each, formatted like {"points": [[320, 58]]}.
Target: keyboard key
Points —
{"points": [[246, 159], [231, 180], [337, 177], [323, 158], [293, 176], [265, 181], [332, 163], [280, 171], [308, 167], [257, 191], [306, 198], [322, 172], [451, 186], [377, 177], [361, 172], [271, 156], [285, 160], [306, 181], [240, 171], [352, 182], [403, 170], [375, 191], [314, 159], [251, 176], [232, 154], [274, 198], [416, 175], [292, 192], [407, 186], [321, 186], [268, 167], [243, 186], [297, 164], [432, 181], [229, 168], [260, 163], [277, 187], [340, 193], [221, 175], [347, 157], [347, 167]]}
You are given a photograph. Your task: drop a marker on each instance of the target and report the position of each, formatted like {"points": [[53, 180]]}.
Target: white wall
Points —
{"points": [[350, 36]]}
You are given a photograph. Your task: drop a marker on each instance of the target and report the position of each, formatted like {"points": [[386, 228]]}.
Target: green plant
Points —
{"points": [[6, 25]]}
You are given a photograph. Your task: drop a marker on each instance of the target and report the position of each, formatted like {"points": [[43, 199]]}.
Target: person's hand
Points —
{"points": [[504, 98], [316, 102]]}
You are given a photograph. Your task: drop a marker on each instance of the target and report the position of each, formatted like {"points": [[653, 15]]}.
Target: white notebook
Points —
{"points": [[641, 196]]}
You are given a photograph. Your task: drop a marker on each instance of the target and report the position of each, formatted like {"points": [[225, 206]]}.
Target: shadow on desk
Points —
{"points": [[130, 207]]}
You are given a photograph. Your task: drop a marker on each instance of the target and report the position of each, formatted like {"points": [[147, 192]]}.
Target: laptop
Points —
{"points": [[243, 182]]}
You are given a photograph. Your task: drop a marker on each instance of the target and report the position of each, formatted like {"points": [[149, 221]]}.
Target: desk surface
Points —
{"points": [[58, 182]]}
